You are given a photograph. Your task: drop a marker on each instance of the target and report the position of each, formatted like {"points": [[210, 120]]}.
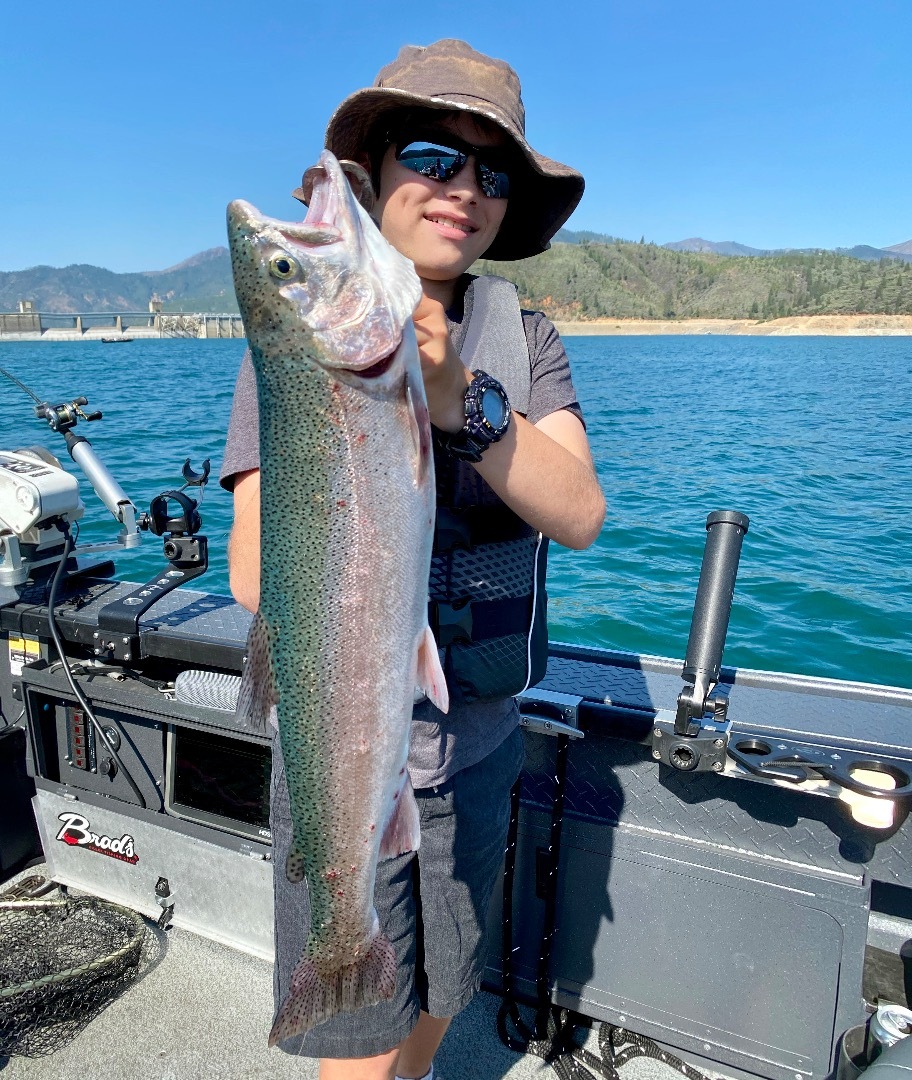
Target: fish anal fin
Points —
{"points": [[430, 677], [403, 831], [257, 694], [294, 866], [316, 995]]}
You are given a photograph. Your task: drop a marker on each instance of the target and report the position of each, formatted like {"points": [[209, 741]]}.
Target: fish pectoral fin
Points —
{"points": [[430, 678], [257, 694], [403, 831]]}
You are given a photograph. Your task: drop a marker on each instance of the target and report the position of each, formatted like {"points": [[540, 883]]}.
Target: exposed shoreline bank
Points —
{"points": [[794, 326], [798, 325]]}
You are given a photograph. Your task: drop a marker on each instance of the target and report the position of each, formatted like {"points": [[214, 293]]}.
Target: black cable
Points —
{"points": [[10, 725], [80, 697], [550, 1031], [124, 674]]}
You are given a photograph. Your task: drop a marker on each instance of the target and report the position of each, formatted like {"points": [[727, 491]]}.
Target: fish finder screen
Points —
{"points": [[221, 779]]}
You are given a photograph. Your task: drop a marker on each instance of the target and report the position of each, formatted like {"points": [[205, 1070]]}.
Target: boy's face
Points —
{"points": [[442, 227]]}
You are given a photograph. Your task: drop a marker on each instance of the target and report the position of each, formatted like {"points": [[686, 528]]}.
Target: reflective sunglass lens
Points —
{"points": [[436, 162], [496, 185], [442, 163]]}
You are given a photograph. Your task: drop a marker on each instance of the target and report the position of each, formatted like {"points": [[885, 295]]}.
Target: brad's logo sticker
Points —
{"points": [[76, 833]]}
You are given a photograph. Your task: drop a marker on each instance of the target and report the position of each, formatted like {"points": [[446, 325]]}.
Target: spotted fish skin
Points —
{"points": [[340, 640]]}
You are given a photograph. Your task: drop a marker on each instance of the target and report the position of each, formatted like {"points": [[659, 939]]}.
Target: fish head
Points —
{"points": [[329, 289]]}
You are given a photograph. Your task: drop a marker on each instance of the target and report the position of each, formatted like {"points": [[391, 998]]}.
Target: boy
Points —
{"points": [[442, 134]]}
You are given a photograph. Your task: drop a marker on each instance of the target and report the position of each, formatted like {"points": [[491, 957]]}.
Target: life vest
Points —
{"points": [[487, 601]]}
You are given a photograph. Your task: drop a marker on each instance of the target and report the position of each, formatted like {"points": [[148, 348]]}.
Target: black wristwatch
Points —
{"points": [[487, 413]]}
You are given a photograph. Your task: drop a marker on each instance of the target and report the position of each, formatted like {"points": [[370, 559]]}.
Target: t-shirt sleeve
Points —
{"points": [[242, 446], [552, 385]]}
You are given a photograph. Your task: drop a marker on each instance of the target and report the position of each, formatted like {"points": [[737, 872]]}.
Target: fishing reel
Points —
{"points": [[63, 417]]}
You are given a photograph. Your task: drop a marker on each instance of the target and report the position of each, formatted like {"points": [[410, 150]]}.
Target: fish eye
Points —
{"points": [[283, 267]]}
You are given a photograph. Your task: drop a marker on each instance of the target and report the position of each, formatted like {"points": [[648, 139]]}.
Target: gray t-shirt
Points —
{"points": [[441, 743]]}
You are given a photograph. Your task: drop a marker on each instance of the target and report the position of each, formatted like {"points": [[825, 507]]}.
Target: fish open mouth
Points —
{"points": [[320, 192], [323, 207]]}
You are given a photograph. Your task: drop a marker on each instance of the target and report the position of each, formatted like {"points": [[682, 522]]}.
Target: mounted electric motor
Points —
{"points": [[36, 492]]}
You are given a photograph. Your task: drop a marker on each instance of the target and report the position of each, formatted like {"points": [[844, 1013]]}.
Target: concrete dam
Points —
{"points": [[30, 325]]}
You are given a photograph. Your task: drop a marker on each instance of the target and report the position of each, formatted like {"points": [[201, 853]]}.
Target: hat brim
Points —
{"points": [[539, 203]]}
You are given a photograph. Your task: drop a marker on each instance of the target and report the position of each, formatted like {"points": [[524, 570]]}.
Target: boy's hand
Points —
{"points": [[445, 375]]}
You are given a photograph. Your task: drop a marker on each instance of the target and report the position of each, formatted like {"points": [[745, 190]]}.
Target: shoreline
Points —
{"points": [[793, 326]]}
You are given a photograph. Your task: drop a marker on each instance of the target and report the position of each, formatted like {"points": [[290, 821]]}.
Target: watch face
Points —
{"points": [[492, 408]]}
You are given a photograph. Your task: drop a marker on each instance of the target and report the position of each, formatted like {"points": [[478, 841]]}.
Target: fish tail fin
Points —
{"points": [[257, 694], [403, 830], [315, 996], [430, 678]]}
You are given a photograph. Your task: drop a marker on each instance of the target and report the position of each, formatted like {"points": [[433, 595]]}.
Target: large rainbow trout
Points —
{"points": [[341, 639]]}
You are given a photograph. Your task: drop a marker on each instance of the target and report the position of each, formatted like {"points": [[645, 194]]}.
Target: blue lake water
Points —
{"points": [[810, 437]]}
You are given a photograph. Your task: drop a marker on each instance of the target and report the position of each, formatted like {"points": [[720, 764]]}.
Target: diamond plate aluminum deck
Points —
{"points": [[617, 782]]}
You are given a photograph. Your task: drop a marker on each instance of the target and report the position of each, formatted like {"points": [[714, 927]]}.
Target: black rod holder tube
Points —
{"points": [[725, 531]]}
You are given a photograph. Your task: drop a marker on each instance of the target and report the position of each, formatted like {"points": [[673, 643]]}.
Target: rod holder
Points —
{"points": [[725, 532]]}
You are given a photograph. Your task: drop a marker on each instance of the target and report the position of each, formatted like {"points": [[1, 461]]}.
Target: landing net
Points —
{"points": [[61, 962]]}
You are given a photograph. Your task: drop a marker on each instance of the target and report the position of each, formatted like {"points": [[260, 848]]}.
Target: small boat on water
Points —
{"points": [[115, 340], [718, 860]]}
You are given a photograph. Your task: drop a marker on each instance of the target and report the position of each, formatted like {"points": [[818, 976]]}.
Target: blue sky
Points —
{"points": [[129, 127]]}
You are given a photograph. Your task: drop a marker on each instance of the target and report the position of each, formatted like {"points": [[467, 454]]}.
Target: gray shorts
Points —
{"points": [[432, 906]]}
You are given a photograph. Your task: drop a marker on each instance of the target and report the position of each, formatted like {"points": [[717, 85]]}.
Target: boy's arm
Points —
{"points": [[543, 472], [244, 544]]}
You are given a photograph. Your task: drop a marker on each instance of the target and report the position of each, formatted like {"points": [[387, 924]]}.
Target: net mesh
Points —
{"points": [[62, 960]]}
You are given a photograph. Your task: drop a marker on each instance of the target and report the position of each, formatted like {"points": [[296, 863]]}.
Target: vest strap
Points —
{"points": [[464, 622], [496, 339], [472, 526]]}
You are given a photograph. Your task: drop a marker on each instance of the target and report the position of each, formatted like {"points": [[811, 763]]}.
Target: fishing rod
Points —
{"points": [[43, 496], [39, 511]]}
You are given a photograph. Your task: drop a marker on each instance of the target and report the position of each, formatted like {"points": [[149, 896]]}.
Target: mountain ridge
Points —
{"points": [[697, 244], [584, 276], [202, 282]]}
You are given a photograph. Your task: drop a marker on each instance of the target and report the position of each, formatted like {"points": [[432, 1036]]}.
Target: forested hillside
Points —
{"points": [[200, 283], [598, 279], [628, 280]]}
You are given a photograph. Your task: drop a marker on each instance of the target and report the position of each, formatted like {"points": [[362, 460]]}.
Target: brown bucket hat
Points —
{"points": [[451, 76]]}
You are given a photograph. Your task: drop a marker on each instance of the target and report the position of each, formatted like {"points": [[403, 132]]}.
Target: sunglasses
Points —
{"points": [[441, 161]]}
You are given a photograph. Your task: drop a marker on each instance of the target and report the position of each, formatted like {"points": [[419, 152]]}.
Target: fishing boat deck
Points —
{"points": [[202, 1011], [784, 875]]}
